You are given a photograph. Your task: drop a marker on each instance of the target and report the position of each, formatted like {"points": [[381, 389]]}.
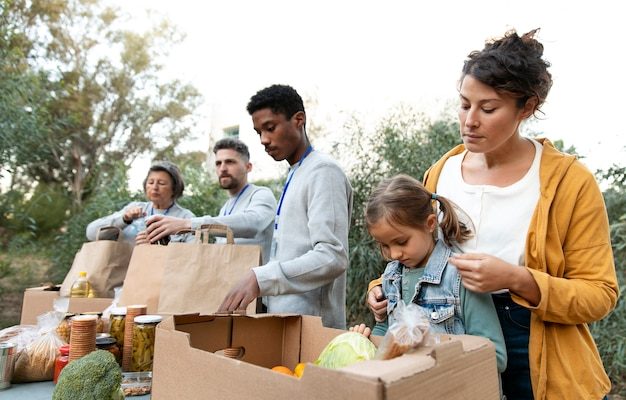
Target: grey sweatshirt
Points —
{"points": [[307, 270], [251, 218]]}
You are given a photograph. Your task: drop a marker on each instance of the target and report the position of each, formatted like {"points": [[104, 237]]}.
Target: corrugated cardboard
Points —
{"points": [[185, 365], [39, 300]]}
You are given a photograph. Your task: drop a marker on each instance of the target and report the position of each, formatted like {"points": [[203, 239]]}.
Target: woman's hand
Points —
{"points": [[483, 273], [377, 303], [132, 214]]}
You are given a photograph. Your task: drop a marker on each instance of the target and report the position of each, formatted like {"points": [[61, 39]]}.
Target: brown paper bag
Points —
{"points": [[199, 275], [143, 279], [105, 262]]}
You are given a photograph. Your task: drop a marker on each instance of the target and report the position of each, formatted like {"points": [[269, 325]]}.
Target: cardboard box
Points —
{"points": [[185, 365], [39, 300]]}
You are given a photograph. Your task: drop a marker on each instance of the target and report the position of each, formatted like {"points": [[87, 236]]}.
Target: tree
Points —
{"points": [[104, 99]]}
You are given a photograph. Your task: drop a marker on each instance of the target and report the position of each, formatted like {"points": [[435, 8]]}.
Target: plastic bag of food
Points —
{"points": [[346, 349], [21, 335], [36, 361], [407, 332]]}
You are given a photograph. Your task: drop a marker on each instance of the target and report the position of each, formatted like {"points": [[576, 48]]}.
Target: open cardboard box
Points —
{"points": [[39, 300], [186, 366]]}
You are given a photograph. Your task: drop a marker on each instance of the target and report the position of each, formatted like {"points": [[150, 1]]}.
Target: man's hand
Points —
{"points": [[141, 238], [377, 303], [160, 226], [242, 294]]}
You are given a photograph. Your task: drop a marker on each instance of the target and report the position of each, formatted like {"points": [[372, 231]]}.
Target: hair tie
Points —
{"points": [[434, 196]]}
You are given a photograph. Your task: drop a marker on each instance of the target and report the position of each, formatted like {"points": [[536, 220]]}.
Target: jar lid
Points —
{"points": [[148, 319], [102, 335], [118, 310], [105, 341]]}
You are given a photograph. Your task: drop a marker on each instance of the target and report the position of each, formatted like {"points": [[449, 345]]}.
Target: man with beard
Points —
{"points": [[249, 211]]}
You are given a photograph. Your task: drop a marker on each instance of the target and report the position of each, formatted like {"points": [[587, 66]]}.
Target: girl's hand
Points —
{"points": [[362, 329], [377, 303]]}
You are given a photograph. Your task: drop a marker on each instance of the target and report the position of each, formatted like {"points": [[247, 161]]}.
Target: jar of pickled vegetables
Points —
{"points": [[144, 330], [117, 323]]}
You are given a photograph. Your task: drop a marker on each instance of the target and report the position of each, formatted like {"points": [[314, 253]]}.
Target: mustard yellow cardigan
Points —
{"points": [[568, 252]]}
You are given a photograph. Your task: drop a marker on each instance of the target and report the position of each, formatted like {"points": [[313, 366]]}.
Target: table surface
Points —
{"points": [[39, 391]]}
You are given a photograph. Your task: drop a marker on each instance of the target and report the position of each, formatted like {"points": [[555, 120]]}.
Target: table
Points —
{"points": [[40, 391]]}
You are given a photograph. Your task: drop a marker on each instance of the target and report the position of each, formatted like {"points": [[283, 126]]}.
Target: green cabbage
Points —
{"points": [[346, 349]]}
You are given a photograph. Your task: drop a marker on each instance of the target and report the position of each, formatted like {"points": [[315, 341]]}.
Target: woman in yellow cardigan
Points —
{"points": [[542, 244]]}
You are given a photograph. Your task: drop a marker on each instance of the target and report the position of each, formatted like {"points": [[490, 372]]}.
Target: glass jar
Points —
{"points": [[144, 329], [61, 361], [109, 344], [117, 323], [65, 327], [99, 321]]}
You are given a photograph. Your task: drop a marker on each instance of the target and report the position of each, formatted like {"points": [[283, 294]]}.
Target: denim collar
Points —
{"points": [[434, 267]]}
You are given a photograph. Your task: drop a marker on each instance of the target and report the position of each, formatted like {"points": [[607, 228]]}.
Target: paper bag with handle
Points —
{"points": [[143, 279], [198, 275], [105, 262]]}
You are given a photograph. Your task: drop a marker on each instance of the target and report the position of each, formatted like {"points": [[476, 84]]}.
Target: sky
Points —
{"points": [[366, 57]]}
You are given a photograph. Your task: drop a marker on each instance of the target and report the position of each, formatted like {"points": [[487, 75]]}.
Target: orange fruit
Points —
{"points": [[299, 370], [283, 370]]}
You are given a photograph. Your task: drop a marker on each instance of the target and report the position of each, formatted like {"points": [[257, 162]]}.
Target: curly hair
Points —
{"points": [[281, 99], [514, 65]]}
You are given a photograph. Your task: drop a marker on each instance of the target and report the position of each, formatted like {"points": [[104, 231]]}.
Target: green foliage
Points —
{"points": [[112, 195], [94, 376], [404, 142], [77, 109], [609, 333]]}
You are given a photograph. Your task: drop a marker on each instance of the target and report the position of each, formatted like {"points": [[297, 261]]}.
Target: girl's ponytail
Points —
{"points": [[453, 230]]}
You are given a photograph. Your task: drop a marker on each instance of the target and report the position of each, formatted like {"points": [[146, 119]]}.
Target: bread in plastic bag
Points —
{"points": [[407, 332], [36, 361]]}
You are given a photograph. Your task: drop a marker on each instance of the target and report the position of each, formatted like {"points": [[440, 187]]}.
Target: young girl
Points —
{"points": [[400, 216]]}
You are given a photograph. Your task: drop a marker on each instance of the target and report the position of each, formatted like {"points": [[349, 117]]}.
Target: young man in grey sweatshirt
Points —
{"points": [[306, 273]]}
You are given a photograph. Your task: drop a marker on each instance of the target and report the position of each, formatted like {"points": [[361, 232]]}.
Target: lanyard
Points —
{"points": [[236, 200], [282, 196], [166, 211]]}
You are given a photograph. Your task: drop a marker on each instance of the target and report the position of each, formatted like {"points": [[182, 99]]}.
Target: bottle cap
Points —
{"points": [[82, 274], [148, 319], [64, 349], [118, 310]]}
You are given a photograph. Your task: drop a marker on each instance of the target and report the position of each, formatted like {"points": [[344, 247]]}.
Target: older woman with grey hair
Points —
{"points": [[163, 185]]}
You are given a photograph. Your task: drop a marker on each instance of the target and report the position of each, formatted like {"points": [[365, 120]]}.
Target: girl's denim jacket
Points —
{"points": [[437, 293]]}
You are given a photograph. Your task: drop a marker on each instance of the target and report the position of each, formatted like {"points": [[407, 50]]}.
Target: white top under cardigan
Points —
{"points": [[500, 216]]}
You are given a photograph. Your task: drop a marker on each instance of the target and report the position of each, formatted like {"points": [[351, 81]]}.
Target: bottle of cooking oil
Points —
{"points": [[81, 286]]}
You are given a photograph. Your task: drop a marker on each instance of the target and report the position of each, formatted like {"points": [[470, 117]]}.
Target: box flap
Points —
{"points": [[422, 359]]}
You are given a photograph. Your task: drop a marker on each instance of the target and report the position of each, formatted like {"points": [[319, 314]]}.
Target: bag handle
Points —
{"points": [[106, 228], [223, 230]]}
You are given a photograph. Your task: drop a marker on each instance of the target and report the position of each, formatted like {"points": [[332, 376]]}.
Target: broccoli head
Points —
{"points": [[94, 376]]}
